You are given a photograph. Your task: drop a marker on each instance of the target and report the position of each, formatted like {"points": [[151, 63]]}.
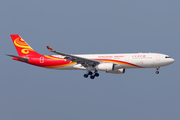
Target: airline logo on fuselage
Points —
{"points": [[138, 56], [122, 56]]}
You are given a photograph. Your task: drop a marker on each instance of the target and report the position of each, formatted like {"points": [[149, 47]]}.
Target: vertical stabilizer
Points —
{"points": [[22, 47]]}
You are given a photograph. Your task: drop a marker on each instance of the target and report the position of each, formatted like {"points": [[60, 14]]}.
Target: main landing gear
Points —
{"points": [[92, 75], [157, 70]]}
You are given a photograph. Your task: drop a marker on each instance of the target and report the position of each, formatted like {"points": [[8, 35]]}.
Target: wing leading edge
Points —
{"points": [[80, 60]]}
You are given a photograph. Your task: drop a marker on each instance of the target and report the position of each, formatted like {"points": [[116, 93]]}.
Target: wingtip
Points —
{"points": [[49, 48]]}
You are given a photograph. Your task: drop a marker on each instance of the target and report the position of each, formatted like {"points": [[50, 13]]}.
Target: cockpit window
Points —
{"points": [[167, 57]]}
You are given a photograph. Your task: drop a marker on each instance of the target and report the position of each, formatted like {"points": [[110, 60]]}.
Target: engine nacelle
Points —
{"points": [[105, 67], [118, 71]]}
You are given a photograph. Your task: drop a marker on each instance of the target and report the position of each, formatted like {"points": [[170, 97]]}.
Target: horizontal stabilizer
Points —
{"points": [[20, 58]]}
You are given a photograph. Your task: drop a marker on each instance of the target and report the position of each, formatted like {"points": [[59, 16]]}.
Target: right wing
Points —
{"points": [[80, 60]]}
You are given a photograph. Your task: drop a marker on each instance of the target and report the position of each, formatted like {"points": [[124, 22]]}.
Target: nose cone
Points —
{"points": [[172, 60], [167, 60]]}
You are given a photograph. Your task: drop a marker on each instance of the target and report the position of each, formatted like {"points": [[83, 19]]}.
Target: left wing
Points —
{"points": [[80, 60]]}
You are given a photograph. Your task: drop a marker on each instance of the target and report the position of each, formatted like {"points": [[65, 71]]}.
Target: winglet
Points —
{"points": [[49, 48]]}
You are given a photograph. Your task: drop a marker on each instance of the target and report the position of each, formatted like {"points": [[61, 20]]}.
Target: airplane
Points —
{"points": [[110, 63]]}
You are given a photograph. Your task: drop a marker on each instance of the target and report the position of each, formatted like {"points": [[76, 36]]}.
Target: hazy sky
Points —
{"points": [[90, 26]]}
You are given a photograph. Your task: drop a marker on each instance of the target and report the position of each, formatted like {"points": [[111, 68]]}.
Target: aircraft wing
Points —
{"points": [[80, 60]]}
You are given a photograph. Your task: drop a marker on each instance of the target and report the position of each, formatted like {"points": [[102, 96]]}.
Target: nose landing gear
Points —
{"points": [[157, 70]]}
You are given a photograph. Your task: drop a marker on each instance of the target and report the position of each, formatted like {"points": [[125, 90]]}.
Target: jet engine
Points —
{"points": [[118, 71], [105, 67]]}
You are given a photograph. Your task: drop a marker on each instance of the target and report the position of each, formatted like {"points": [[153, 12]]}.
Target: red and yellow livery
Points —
{"points": [[111, 63]]}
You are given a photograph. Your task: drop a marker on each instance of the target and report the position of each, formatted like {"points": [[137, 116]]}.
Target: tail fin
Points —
{"points": [[22, 47]]}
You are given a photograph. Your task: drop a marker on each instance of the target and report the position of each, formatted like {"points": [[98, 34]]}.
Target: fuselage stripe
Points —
{"points": [[52, 57], [68, 64], [63, 65]]}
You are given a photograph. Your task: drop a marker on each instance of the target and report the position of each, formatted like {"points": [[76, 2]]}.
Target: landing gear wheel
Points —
{"points": [[86, 75], [90, 73], [96, 74], [157, 72], [92, 77]]}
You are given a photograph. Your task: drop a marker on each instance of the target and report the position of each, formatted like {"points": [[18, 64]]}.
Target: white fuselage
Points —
{"points": [[134, 60]]}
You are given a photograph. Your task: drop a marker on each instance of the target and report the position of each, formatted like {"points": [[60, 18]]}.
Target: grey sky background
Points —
{"points": [[87, 27]]}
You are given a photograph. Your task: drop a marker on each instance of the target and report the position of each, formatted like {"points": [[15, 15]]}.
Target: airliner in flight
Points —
{"points": [[110, 63]]}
